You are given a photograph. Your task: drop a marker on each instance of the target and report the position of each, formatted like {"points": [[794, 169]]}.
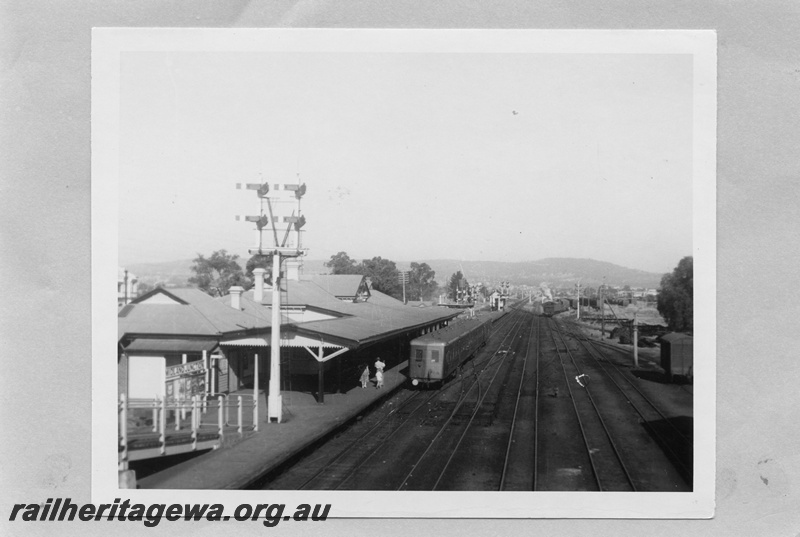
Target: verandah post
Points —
{"points": [[123, 418], [195, 420], [255, 397], [321, 384], [239, 417], [220, 419], [162, 437]]}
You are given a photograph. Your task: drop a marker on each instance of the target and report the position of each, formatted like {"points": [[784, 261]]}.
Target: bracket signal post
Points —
{"points": [[280, 196]]}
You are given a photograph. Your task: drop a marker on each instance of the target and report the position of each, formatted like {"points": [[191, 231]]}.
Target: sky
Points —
{"points": [[411, 156]]}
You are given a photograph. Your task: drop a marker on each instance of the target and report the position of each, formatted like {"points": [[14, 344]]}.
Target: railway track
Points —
{"points": [[519, 463], [472, 442], [675, 441], [513, 419], [345, 461], [607, 463]]}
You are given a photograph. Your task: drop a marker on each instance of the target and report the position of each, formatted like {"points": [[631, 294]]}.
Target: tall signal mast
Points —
{"points": [[278, 206]]}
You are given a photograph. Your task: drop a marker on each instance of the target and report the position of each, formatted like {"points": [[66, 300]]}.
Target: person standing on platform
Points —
{"points": [[365, 376], [379, 367], [379, 379]]}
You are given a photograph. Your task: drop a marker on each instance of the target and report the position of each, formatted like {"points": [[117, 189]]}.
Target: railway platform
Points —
{"points": [[304, 422]]}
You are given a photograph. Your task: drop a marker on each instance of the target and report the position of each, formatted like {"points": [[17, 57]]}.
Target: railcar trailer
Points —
{"points": [[437, 355]]}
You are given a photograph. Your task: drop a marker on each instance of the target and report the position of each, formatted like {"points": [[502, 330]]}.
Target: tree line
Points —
{"points": [[217, 273], [220, 271], [385, 276], [675, 300]]}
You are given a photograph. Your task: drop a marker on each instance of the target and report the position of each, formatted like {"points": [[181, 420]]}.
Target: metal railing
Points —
{"points": [[166, 422]]}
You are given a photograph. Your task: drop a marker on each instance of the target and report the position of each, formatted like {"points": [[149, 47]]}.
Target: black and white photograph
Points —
{"points": [[411, 261], [452, 268]]}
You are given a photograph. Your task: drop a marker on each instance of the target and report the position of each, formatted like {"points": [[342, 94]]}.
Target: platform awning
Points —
{"points": [[246, 342], [288, 339], [171, 345]]}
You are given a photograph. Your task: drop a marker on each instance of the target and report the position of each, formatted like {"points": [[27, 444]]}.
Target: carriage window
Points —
{"points": [[435, 356], [418, 354]]}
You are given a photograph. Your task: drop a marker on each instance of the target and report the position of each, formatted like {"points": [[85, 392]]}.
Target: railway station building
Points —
{"points": [[176, 343], [169, 343]]}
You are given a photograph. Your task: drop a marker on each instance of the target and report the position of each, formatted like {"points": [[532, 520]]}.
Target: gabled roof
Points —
{"points": [[305, 293], [192, 313], [359, 322], [223, 317], [166, 319], [250, 307], [339, 285], [182, 312], [372, 321]]}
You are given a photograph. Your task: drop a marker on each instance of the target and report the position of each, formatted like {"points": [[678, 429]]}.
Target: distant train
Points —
{"points": [[551, 307], [437, 355]]}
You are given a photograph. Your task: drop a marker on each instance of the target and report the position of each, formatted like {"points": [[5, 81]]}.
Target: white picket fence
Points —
{"points": [[156, 427]]}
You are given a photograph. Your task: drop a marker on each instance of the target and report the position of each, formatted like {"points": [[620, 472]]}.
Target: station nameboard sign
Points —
{"points": [[181, 370]]}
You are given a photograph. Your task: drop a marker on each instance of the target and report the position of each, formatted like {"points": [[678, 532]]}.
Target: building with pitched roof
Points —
{"points": [[180, 342], [169, 342], [331, 325]]}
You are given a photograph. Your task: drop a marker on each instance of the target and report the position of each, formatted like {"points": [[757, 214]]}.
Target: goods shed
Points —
{"points": [[677, 356]]}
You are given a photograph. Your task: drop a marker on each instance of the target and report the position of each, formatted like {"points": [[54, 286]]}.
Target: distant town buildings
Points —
{"points": [[127, 286]]}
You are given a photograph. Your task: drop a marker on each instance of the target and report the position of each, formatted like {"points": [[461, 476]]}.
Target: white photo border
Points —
{"points": [[107, 46]]}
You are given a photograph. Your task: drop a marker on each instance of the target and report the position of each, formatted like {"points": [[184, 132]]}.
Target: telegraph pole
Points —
{"points": [[403, 278], [635, 342], [126, 288], [603, 310]]}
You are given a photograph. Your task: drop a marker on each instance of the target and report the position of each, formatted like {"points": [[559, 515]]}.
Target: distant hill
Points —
{"points": [[170, 272], [556, 272]]}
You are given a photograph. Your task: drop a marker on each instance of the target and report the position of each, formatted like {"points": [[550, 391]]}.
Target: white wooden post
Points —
{"points": [[227, 412], [155, 415], [162, 437], [255, 393], [178, 404], [205, 381], [213, 365], [195, 421], [220, 424], [182, 400], [123, 418], [239, 417], [178, 381]]}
